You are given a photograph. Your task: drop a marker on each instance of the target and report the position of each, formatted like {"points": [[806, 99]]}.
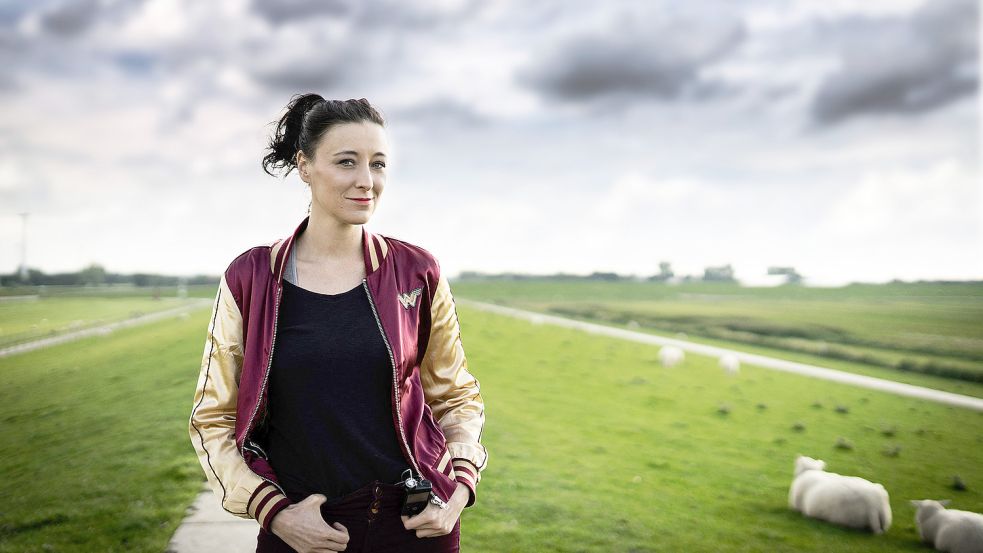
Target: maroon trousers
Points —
{"points": [[371, 515]]}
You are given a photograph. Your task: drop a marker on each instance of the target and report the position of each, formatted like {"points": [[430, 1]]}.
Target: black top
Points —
{"points": [[331, 427]]}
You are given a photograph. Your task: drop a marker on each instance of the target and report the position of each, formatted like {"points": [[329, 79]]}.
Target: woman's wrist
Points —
{"points": [[459, 499]]}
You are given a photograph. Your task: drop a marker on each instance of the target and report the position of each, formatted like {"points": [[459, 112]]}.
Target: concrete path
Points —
{"points": [[208, 528], [814, 371], [102, 330]]}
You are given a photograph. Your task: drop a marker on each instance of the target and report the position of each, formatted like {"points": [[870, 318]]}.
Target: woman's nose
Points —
{"points": [[364, 179]]}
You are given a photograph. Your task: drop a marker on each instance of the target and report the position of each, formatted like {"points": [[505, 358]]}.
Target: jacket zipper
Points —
{"points": [[392, 360], [254, 447], [259, 401]]}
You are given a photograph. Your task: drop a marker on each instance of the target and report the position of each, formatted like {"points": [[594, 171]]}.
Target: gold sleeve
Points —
{"points": [[213, 416], [452, 392]]}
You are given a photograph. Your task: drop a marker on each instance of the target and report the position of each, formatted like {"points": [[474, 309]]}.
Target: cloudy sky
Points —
{"points": [[839, 137]]}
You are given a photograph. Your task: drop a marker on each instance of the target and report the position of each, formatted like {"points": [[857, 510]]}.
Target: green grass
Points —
{"points": [[929, 329], [26, 320], [593, 446], [969, 388], [96, 450], [109, 291]]}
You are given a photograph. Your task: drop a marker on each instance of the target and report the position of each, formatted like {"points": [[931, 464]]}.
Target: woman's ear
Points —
{"points": [[302, 165]]}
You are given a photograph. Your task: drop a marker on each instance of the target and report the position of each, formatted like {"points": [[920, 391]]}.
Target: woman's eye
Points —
{"points": [[380, 164], [347, 162]]}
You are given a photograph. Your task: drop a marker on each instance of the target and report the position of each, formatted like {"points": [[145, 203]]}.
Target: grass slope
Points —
{"points": [[594, 447], [96, 449], [23, 321], [902, 329]]}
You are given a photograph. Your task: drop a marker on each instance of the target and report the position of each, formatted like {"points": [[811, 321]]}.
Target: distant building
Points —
{"points": [[791, 276], [723, 273]]}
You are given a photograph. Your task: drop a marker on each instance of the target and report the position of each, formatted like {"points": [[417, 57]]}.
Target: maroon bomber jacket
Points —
{"points": [[436, 405]]}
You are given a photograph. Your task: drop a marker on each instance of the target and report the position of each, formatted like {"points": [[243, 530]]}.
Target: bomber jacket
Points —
{"points": [[437, 407]]}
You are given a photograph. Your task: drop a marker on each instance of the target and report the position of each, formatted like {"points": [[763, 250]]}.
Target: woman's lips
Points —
{"points": [[362, 200]]}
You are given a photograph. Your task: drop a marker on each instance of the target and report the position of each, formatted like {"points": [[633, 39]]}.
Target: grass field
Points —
{"points": [[97, 455], [27, 320], [925, 329], [592, 446]]}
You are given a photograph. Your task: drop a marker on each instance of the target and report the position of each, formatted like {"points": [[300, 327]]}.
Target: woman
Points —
{"points": [[334, 377]]}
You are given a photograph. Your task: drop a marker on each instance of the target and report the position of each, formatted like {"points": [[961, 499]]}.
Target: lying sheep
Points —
{"points": [[670, 356], [948, 530], [845, 500], [730, 363]]}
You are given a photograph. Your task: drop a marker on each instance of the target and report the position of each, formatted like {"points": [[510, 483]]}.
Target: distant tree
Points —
{"points": [[598, 275], [665, 272], [93, 275], [791, 276]]}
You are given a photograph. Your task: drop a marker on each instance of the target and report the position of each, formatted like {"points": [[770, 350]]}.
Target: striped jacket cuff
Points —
{"points": [[466, 473], [265, 503]]}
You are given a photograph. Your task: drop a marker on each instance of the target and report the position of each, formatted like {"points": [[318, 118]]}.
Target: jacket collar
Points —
{"points": [[374, 250]]}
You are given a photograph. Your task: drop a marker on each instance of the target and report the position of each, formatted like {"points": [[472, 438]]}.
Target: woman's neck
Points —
{"points": [[327, 238]]}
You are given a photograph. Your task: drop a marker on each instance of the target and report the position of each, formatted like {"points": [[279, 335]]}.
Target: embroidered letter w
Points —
{"points": [[408, 299]]}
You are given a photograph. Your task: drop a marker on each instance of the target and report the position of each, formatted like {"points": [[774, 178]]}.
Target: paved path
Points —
{"points": [[102, 330], [814, 371], [208, 528]]}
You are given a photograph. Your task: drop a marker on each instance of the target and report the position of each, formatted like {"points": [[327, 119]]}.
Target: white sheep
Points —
{"points": [[948, 530], [670, 356], [845, 500], [730, 363]]}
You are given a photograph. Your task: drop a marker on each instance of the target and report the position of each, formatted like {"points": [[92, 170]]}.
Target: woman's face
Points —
{"points": [[348, 172]]}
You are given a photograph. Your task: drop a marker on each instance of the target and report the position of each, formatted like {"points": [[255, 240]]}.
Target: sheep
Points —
{"points": [[730, 363], [948, 530], [670, 356], [845, 500]]}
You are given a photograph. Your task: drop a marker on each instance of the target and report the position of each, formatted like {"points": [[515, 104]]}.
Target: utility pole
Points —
{"points": [[23, 247]]}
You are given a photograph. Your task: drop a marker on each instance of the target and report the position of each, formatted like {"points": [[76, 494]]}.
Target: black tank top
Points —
{"points": [[331, 427]]}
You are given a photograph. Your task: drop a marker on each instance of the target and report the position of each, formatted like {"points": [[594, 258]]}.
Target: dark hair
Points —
{"points": [[307, 118]]}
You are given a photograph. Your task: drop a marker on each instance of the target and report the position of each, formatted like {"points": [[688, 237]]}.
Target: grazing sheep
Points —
{"points": [[730, 363], [845, 500], [948, 530], [670, 356]]}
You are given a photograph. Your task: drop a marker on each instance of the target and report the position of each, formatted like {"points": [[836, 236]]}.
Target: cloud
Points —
{"points": [[283, 11], [70, 18], [901, 65], [893, 223], [658, 58], [371, 13], [149, 114], [440, 111], [905, 203]]}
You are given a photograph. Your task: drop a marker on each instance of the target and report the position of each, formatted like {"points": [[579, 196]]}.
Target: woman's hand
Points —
{"points": [[301, 526], [434, 521]]}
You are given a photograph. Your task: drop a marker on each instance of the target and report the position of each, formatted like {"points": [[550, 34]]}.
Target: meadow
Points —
{"points": [[592, 446], [926, 334], [25, 320]]}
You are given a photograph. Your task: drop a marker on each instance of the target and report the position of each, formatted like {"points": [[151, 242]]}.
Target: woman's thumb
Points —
{"points": [[316, 498]]}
